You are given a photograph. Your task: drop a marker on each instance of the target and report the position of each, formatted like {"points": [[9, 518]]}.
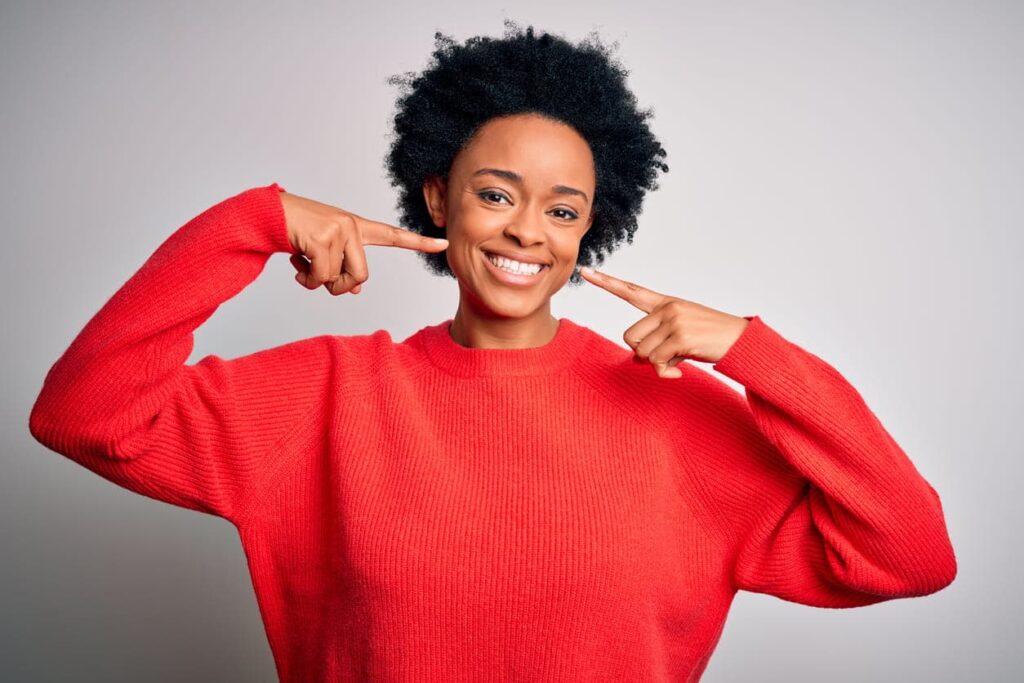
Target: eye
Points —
{"points": [[486, 194], [490, 193]]}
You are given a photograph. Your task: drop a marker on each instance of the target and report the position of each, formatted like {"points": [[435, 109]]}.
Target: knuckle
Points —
{"points": [[352, 225], [342, 224]]}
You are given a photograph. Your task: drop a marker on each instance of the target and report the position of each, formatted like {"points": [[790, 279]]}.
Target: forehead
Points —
{"points": [[539, 149]]}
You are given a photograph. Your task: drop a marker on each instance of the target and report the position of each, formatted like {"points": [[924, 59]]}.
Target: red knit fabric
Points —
{"points": [[423, 511]]}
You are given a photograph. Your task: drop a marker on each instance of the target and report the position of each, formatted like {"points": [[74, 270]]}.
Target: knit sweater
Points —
{"points": [[423, 511]]}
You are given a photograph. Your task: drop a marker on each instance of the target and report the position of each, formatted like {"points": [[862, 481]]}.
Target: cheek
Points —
{"points": [[568, 249], [473, 225], [464, 245]]}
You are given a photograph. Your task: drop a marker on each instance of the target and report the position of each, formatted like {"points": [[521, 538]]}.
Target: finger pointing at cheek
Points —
{"points": [[674, 329]]}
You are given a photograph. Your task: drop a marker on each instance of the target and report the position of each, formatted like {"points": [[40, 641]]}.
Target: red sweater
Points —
{"points": [[423, 511]]}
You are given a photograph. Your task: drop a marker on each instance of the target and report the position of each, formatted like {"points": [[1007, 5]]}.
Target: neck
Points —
{"points": [[473, 329]]}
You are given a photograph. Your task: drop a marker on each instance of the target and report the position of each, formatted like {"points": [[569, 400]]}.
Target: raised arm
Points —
{"points": [[823, 506], [121, 401]]}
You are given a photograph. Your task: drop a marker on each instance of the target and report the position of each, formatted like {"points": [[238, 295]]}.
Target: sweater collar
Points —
{"points": [[447, 354]]}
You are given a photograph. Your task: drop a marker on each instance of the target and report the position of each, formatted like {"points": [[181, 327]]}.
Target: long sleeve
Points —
{"points": [[122, 402], [830, 511]]}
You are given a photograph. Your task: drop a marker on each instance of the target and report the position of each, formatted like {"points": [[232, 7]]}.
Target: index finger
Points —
{"points": [[641, 297], [387, 235]]}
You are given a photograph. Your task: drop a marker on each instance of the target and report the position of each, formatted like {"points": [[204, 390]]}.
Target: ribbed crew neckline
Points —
{"points": [[463, 361]]}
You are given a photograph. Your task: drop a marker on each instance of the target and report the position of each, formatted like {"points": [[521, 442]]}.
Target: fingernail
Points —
{"points": [[588, 271]]}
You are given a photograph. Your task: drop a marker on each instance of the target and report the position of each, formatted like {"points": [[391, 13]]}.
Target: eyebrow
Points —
{"points": [[515, 177]]}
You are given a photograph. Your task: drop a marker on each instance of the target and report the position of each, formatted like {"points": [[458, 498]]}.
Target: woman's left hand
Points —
{"points": [[673, 329]]}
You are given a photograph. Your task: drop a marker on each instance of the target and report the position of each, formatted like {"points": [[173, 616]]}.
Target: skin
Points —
{"points": [[494, 212], [491, 213], [674, 329]]}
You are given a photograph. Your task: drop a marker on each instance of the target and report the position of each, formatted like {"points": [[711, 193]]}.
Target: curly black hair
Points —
{"points": [[581, 85]]}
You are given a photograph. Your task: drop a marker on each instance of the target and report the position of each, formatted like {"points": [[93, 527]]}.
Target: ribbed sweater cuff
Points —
{"points": [[261, 207], [751, 354]]}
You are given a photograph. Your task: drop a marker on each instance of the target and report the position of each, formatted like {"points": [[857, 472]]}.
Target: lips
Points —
{"points": [[513, 279], [515, 256]]}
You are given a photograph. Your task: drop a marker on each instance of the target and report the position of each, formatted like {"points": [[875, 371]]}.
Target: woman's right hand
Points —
{"points": [[328, 243]]}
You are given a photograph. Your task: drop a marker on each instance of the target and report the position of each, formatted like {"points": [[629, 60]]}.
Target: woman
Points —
{"points": [[503, 495]]}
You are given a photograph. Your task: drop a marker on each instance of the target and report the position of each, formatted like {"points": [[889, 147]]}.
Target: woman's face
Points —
{"points": [[522, 189]]}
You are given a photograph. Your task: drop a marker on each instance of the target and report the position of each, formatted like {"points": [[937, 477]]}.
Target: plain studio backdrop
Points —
{"points": [[849, 171]]}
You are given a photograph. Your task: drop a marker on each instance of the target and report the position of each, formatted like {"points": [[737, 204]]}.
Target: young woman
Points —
{"points": [[504, 495]]}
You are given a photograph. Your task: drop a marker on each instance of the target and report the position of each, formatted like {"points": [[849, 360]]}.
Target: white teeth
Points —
{"points": [[516, 267]]}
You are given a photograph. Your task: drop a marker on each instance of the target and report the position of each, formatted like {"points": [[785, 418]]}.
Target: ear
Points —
{"points": [[434, 190]]}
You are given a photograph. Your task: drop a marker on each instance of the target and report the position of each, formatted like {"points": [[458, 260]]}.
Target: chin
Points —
{"points": [[511, 304], [510, 309]]}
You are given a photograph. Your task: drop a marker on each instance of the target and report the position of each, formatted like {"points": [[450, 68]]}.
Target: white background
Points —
{"points": [[849, 171]]}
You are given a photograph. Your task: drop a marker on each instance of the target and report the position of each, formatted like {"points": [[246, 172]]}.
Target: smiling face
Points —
{"points": [[521, 190]]}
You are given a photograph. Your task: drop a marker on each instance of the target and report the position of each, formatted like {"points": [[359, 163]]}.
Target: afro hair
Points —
{"points": [[581, 85]]}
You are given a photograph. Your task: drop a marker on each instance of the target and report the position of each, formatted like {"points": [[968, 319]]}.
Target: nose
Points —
{"points": [[525, 231]]}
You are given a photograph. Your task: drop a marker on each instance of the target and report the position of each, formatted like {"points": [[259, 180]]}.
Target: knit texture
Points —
{"points": [[424, 511]]}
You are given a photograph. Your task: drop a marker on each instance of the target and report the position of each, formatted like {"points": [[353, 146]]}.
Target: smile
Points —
{"points": [[514, 272]]}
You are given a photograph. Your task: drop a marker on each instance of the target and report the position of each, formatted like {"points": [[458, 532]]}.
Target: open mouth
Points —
{"points": [[514, 272]]}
